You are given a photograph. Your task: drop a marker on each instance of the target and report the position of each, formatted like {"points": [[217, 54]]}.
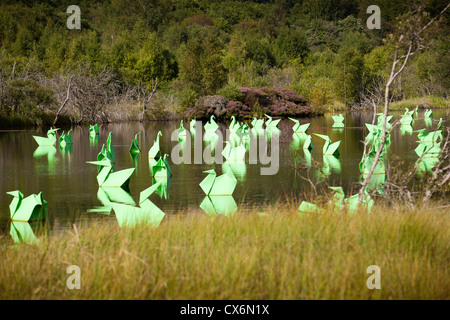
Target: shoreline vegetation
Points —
{"points": [[280, 255], [245, 58]]}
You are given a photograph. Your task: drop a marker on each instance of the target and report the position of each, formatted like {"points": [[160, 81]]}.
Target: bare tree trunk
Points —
{"points": [[62, 105]]}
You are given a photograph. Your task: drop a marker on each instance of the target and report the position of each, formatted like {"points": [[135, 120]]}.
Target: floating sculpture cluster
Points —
{"points": [[219, 189]]}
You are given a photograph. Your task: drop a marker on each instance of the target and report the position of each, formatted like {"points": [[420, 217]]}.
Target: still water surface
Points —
{"points": [[69, 184]]}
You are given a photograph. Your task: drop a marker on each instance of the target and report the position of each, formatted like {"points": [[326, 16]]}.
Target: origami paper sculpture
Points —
{"points": [[407, 117], [234, 125], [234, 154], [21, 232], [307, 156], [93, 130], [162, 168], [49, 151], [211, 126], [270, 123], [336, 202], [108, 178], [211, 139], [66, 149], [65, 139], [147, 212], [225, 205], [380, 121], [49, 141], [351, 203], [155, 152], [163, 189], [406, 129], [107, 153], [330, 163], [428, 113], [298, 139], [243, 132], [181, 131], [328, 147], [426, 164], [257, 123], [338, 121], [308, 145], [428, 121], [416, 111], [218, 186], [299, 128], [134, 148], [309, 207], [429, 143], [32, 207], [108, 196], [193, 125], [239, 169]]}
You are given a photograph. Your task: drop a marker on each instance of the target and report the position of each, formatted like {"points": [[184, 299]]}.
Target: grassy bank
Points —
{"points": [[279, 256]]}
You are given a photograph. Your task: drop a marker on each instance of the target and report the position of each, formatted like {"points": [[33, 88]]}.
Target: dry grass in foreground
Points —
{"points": [[248, 256]]}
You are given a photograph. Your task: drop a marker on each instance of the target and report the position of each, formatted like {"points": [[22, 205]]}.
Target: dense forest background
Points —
{"points": [[160, 56]]}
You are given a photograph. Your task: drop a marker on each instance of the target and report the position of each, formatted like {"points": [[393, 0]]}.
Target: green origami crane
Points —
{"points": [[270, 123], [380, 121], [108, 196], [147, 213], [308, 145], [330, 163], [218, 186], [298, 128], [65, 139], [49, 141], [211, 126], [338, 121], [93, 130], [407, 117], [429, 143], [33, 207], [428, 113], [257, 123], [329, 148], [134, 148], [193, 125], [107, 153], [155, 152], [225, 205], [239, 169], [234, 154], [108, 178], [181, 131], [161, 168]]}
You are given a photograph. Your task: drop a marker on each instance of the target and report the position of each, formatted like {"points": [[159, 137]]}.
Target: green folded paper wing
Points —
{"points": [[225, 205], [33, 207], [309, 207], [211, 126], [49, 141], [257, 123], [223, 185], [21, 232], [329, 148], [270, 123], [428, 113], [299, 128], [108, 178]]}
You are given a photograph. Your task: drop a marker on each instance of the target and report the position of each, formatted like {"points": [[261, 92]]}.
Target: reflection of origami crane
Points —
{"points": [[32, 207], [49, 141], [93, 130], [107, 178], [298, 128], [134, 148], [218, 186], [235, 154], [338, 121], [211, 126], [65, 139], [328, 147], [155, 152], [270, 123]]}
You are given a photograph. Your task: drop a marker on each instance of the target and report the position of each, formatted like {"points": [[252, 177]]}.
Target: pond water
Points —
{"points": [[70, 186]]}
